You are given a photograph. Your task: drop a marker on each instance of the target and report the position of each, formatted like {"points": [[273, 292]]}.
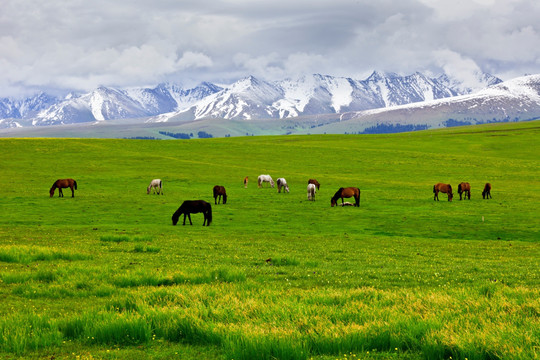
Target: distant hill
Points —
{"points": [[247, 99]]}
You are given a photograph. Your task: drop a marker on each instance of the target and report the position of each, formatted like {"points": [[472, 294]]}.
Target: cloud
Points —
{"points": [[76, 45], [460, 68], [193, 60]]}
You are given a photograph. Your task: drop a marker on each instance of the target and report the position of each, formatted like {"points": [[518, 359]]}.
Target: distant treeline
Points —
{"points": [[392, 128], [142, 138], [185, 136]]}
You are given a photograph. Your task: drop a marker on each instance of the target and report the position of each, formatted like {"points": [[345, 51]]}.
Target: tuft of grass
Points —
{"points": [[28, 254], [114, 238]]}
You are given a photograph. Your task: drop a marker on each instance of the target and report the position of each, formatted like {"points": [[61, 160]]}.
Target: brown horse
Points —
{"points": [[62, 184], [189, 207], [444, 188], [219, 191], [314, 182], [486, 194], [464, 189], [346, 193]]}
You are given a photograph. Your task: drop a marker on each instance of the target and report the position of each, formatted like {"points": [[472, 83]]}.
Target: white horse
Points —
{"points": [[155, 185], [264, 178], [311, 190], [282, 183]]}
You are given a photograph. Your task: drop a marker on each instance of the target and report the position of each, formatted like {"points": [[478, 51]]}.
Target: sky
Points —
{"points": [[78, 45]]}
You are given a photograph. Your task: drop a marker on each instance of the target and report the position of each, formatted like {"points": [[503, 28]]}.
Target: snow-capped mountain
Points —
{"points": [[251, 98], [25, 108], [514, 100], [247, 99], [104, 103]]}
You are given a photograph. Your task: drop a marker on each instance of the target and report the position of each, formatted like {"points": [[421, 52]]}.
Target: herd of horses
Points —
{"points": [[464, 191], [189, 207]]}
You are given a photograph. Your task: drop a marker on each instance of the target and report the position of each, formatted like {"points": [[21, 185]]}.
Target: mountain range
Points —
{"points": [[249, 98]]}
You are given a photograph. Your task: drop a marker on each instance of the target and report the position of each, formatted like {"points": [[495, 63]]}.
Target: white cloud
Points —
{"points": [[193, 60], [76, 45]]}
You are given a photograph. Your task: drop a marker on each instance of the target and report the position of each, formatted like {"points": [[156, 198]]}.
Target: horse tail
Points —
{"points": [[75, 184], [209, 218], [434, 191], [224, 198]]}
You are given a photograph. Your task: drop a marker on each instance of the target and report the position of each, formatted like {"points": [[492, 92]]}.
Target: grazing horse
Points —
{"points": [[444, 188], [156, 185], [264, 178], [62, 184], [314, 182], [311, 190], [245, 181], [486, 194], [219, 191], [346, 193], [192, 207], [464, 189], [282, 183]]}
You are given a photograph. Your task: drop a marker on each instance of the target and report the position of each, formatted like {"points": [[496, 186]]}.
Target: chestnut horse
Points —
{"points": [[444, 188], [219, 191], [62, 184], [464, 189], [192, 207], [486, 194], [346, 193], [314, 182]]}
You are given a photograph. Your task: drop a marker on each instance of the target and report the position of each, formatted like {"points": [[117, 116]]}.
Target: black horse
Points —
{"points": [[486, 194], [192, 207], [219, 191]]}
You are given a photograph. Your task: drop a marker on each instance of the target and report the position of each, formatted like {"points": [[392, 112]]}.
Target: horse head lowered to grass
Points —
{"points": [[189, 207], [444, 188], [346, 193], [62, 184]]}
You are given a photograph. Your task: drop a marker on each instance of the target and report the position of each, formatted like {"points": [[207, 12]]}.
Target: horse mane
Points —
{"points": [[337, 195]]}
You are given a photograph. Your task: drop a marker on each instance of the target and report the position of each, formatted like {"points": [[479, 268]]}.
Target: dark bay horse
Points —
{"points": [[219, 191], [444, 188], [346, 193], [314, 182], [192, 207], [464, 189], [62, 184], [486, 194]]}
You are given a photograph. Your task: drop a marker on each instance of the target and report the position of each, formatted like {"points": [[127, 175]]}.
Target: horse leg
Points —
{"points": [[60, 192], [436, 196], [189, 217], [72, 191]]}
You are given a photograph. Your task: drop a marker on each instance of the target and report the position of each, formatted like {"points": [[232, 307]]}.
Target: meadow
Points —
{"points": [[105, 275]]}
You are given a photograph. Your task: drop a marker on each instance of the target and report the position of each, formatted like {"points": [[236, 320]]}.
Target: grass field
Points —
{"points": [[105, 275]]}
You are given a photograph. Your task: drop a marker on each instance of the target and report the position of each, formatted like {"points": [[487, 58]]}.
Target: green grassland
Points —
{"points": [[105, 275]]}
